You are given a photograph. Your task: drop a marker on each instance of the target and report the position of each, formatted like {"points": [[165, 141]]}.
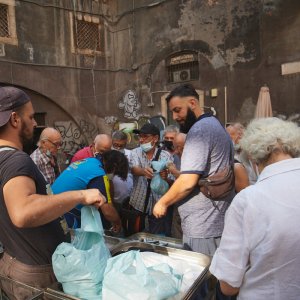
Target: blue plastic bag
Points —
{"points": [[80, 265], [158, 185], [126, 278]]}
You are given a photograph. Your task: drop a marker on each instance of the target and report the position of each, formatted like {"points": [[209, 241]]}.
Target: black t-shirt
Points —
{"points": [[32, 246]]}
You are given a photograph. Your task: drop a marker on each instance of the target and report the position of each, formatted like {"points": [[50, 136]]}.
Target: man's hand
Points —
{"points": [[148, 173], [116, 226], [164, 174], [227, 289], [92, 197], [173, 170], [160, 209]]}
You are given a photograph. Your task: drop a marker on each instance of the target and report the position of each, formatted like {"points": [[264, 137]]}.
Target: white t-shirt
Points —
{"points": [[260, 246], [122, 188]]}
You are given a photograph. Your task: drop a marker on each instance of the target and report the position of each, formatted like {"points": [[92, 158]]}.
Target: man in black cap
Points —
{"points": [[140, 164], [30, 227]]}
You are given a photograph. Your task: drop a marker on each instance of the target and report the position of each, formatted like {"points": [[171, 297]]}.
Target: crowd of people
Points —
{"points": [[250, 230]]}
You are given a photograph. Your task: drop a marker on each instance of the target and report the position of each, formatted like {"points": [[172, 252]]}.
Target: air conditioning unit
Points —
{"points": [[182, 75]]}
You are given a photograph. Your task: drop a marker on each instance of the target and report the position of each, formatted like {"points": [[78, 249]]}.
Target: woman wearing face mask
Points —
{"points": [[92, 173]]}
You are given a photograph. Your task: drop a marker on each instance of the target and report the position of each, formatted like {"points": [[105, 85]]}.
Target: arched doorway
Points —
{"points": [[50, 114]]}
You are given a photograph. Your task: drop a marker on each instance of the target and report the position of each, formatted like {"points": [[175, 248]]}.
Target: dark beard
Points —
{"points": [[27, 142], [28, 146], [190, 120]]}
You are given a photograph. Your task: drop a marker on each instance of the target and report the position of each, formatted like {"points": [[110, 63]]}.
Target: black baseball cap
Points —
{"points": [[10, 99], [148, 128]]}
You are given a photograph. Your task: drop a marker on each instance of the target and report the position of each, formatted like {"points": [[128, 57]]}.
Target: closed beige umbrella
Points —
{"points": [[263, 106]]}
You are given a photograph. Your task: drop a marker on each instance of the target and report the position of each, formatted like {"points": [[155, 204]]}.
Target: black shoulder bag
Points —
{"points": [[219, 185]]}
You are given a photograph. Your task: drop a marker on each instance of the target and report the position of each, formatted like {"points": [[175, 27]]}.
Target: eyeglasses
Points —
{"points": [[119, 145], [57, 145]]}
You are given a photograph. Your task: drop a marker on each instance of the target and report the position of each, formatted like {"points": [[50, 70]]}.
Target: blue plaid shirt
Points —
{"points": [[139, 159]]}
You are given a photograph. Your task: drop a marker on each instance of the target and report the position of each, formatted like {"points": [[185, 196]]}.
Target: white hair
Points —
{"points": [[47, 133], [267, 135], [171, 128]]}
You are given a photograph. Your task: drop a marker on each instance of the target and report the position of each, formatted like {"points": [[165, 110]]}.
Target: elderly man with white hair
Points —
{"points": [[258, 257], [45, 156]]}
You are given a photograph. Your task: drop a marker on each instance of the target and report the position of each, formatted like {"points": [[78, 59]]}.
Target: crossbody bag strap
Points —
{"points": [[231, 158], [149, 182]]}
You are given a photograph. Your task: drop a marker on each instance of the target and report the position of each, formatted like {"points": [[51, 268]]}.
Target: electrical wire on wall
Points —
{"points": [[107, 18], [73, 7]]}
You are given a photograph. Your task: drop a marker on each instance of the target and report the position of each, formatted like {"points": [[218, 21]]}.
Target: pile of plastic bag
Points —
{"points": [[87, 271], [127, 277], [79, 266]]}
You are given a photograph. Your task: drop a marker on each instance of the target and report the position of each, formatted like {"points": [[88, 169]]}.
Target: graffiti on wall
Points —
{"points": [[130, 105], [110, 119], [88, 129], [128, 127], [75, 137]]}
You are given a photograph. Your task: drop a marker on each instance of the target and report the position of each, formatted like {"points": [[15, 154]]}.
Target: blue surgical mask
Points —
{"points": [[146, 147]]}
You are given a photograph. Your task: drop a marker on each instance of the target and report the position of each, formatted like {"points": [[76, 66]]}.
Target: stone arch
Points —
{"points": [[73, 132]]}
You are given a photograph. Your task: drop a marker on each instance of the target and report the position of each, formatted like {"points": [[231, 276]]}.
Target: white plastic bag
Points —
{"points": [[127, 278], [80, 265], [158, 185]]}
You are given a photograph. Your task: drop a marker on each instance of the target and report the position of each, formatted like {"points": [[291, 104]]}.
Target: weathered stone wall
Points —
{"points": [[241, 45]]}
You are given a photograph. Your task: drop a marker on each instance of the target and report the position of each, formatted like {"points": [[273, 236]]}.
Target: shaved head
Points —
{"points": [[180, 138], [102, 143], [235, 131], [50, 140], [179, 142]]}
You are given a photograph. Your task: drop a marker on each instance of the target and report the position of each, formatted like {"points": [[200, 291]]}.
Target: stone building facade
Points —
{"points": [[94, 65]]}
